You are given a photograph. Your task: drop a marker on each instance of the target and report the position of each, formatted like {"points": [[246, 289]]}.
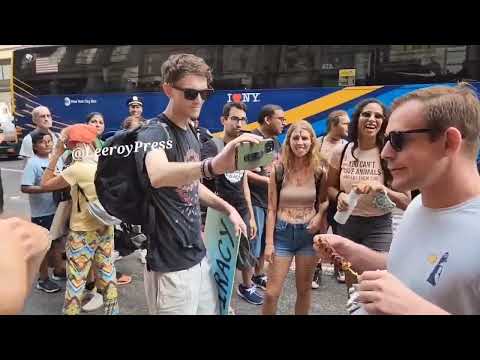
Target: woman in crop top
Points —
{"points": [[292, 218], [362, 169]]}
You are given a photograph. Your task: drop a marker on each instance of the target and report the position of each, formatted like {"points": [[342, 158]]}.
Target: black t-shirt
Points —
{"points": [[228, 186], [176, 242], [204, 134], [259, 192]]}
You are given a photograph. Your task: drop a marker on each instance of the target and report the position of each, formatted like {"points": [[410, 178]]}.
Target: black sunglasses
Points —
{"points": [[397, 138], [192, 94]]}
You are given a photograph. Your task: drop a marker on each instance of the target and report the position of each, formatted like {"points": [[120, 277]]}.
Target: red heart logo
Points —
{"points": [[237, 97]]}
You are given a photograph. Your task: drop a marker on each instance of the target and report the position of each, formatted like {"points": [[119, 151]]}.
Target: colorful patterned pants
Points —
{"points": [[83, 248]]}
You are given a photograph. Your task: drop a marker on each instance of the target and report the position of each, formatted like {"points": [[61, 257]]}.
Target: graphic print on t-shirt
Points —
{"points": [[357, 171], [434, 276], [187, 192], [235, 177]]}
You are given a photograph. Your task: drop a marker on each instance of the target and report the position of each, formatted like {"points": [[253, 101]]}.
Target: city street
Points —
{"points": [[329, 299]]}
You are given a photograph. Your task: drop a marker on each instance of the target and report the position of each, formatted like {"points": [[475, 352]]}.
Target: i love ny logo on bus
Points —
{"points": [[243, 97]]}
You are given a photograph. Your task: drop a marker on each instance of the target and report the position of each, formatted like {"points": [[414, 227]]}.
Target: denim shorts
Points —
{"points": [[293, 239]]}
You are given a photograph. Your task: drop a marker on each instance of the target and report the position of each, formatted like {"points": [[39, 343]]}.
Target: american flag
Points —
{"points": [[45, 65]]}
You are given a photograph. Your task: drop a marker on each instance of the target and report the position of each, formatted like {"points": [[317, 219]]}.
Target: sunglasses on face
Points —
{"points": [[368, 114], [397, 138], [192, 94]]}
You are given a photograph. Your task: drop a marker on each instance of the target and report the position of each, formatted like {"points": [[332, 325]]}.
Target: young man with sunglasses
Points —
{"points": [[432, 141], [272, 121], [177, 277], [233, 188]]}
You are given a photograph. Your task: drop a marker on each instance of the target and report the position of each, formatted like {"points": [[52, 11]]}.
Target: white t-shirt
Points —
{"points": [[436, 253]]}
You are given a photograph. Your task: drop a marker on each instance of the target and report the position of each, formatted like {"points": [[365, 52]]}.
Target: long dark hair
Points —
{"points": [[353, 133]]}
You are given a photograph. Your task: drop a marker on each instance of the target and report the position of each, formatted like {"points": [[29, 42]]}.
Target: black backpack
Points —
{"points": [[122, 190]]}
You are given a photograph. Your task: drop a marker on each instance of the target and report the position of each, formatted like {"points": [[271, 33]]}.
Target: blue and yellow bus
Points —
{"points": [[304, 79]]}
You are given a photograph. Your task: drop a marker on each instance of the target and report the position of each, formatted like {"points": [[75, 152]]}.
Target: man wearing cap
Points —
{"points": [[135, 107]]}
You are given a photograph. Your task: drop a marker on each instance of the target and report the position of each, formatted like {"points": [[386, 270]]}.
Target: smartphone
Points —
{"points": [[250, 156]]}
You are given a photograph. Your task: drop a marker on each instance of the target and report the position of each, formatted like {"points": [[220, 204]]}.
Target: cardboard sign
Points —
{"points": [[222, 251]]}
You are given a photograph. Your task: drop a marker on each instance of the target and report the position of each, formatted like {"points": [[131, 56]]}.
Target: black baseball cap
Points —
{"points": [[135, 100]]}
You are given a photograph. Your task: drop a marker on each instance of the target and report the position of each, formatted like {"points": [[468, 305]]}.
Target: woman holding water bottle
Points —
{"points": [[359, 181]]}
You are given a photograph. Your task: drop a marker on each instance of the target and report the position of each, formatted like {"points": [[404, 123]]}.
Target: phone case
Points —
{"points": [[250, 156]]}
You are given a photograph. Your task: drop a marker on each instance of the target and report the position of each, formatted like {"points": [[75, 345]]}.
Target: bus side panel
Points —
{"points": [[312, 104]]}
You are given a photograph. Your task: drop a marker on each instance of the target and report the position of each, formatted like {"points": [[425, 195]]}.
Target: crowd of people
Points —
{"points": [[427, 144]]}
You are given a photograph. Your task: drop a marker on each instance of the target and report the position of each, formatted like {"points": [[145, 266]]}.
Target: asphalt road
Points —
{"points": [[329, 299]]}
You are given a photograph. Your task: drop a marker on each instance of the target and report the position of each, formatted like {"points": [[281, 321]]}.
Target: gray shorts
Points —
{"points": [[374, 232], [186, 292]]}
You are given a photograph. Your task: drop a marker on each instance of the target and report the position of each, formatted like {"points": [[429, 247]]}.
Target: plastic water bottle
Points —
{"points": [[341, 217]]}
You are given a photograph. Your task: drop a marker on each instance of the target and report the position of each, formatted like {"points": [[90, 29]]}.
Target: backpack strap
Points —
{"points": [[80, 191], [341, 162], [218, 143], [318, 183], [195, 132], [279, 173]]}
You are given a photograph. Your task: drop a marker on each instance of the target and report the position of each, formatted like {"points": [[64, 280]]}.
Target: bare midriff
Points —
{"points": [[300, 215]]}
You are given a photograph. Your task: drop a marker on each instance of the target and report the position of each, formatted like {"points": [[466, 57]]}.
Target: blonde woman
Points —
{"points": [[297, 201]]}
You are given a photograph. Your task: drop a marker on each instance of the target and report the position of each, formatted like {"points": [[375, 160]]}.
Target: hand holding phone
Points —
{"points": [[251, 156]]}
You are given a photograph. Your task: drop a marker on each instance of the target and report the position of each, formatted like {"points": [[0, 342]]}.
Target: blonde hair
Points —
{"points": [[445, 107], [313, 157]]}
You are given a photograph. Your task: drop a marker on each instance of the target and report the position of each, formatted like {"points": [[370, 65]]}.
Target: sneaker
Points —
{"points": [[341, 277], [48, 286], [250, 294], [317, 277], [260, 281], [62, 277], [116, 255], [94, 301], [142, 255]]}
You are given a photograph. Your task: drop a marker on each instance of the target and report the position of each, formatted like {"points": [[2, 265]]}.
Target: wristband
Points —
{"points": [[202, 169], [205, 168]]}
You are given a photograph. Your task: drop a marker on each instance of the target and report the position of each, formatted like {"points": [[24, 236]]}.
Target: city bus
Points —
{"points": [[308, 81]]}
